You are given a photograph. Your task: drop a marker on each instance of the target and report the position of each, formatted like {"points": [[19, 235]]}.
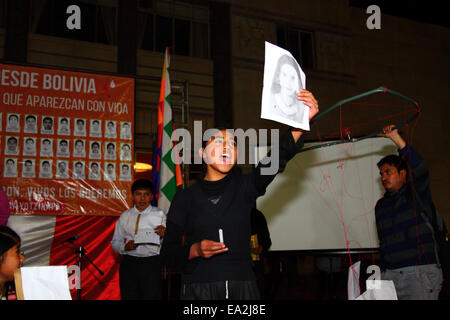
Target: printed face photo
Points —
{"points": [[10, 166], [63, 148], [95, 128], [80, 127], [110, 171], [78, 170], [95, 150], [79, 148], [30, 123], [29, 146], [283, 80], [28, 170], [110, 152], [46, 147], [62, 171], [63, 126], [45, 170], [94, 171], [12, 146], [125, 130], [286, 84], [110, 130], [125, 172], [47, 125], [125, 152], [13, 122]]}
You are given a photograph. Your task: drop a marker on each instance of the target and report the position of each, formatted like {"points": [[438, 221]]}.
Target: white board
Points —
{"points": [[325, 198]]}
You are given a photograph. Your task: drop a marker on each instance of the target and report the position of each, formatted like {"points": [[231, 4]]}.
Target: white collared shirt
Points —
{"points": [[125, 228]]}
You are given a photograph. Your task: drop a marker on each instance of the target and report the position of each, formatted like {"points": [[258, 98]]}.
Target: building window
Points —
{"points": [[98, 23], [181, 25], [298, 42]]}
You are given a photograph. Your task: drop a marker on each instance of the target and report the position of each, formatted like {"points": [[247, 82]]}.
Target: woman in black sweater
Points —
{"points": [[222, 200]]}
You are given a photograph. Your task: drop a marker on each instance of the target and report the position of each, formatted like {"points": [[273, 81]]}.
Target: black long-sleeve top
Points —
{"points": [[405, 238], [199, 211]]}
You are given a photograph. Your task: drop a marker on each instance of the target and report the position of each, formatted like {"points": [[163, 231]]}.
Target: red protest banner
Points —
{"points": [[66, 144]]}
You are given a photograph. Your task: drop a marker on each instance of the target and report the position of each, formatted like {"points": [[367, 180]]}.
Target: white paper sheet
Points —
{"points": [[379, 290], [283, 79], [376, 289], [146, 230], [45, 283], [353, 289], [147, 236]]}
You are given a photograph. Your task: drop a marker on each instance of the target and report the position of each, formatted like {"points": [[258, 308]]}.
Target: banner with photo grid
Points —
{"points": [[66, 144]]}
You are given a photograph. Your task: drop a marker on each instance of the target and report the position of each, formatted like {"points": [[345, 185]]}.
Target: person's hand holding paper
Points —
{"points": [[150, 230], [283, 81]]}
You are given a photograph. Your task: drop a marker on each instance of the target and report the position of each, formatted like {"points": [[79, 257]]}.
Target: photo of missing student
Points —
{"points": [[125, 172], [10, 168], [29, 146], [63, 126], [95, 128], [13, 122], [30, 123], [12, 146], [28, 168], [283, 79], [45, 169], [47, 126], [62, 169], [79, 127]]}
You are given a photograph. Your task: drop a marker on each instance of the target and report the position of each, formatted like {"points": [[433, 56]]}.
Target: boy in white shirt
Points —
{"points": [[140, 269]]}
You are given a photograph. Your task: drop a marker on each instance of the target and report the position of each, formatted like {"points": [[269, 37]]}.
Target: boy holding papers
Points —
{"points": [[137, 238]]}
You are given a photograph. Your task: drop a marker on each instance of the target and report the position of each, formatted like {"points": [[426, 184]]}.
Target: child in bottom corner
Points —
{"points": [[11, 258]]}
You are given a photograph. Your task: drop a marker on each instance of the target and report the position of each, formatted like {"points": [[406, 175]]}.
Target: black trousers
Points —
{"points": [[140, 278], [221, 290]]}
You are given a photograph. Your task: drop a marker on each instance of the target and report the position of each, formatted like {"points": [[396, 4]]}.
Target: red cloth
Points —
{"points": [[4, 207], [95, 234]]}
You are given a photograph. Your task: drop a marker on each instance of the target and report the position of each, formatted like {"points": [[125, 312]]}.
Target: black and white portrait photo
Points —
{"points": [[110, 151], [62, 169], [79, 127], [29, 146], [283, 79], [95, 128], [78, 170], [13, 122], [95, 150], [110, 129], [30, 123], [47, 126], [10, 168], [63, 126], [12, 146], [125, 172], [62, 149], [125, 152], [79, 148], [28, 168], [45, 169], [94, 171], [46, 147], [110, 171], [125, 130]]}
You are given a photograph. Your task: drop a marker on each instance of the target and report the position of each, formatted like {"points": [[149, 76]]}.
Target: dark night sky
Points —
{"points": [[429, 11]]}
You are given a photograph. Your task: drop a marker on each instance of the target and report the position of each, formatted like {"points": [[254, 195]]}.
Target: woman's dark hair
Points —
{"points": [[285, 59], [8, 239], [142, 184]]}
